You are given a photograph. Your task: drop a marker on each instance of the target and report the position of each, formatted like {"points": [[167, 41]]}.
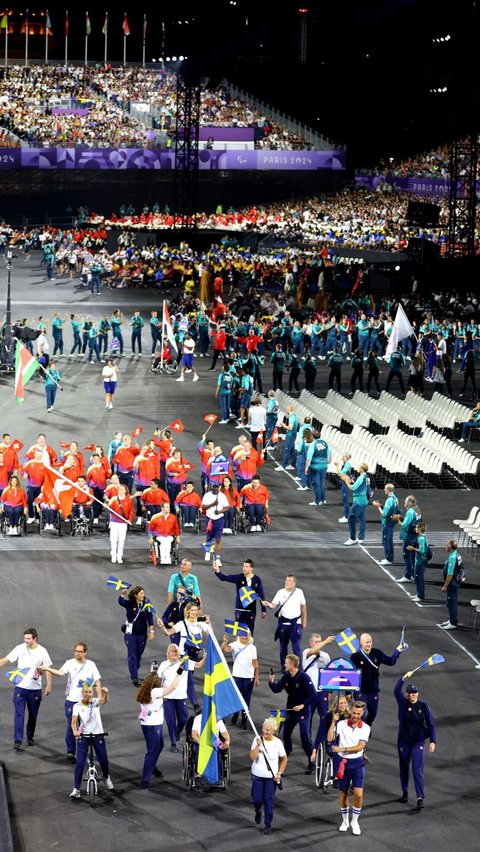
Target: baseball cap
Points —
{"points": [[411, 688]]}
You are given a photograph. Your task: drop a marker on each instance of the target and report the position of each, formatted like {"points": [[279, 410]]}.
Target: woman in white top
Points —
{"points": [[175, 706], [245, 669], [110, 379], [269, 760], [257, 419], [86, 719], [191, 628], [150, 696]]}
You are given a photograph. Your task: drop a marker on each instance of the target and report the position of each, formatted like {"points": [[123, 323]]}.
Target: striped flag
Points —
{"points": [[432, 661], [280, 717], [25, 366], [247, 595]]}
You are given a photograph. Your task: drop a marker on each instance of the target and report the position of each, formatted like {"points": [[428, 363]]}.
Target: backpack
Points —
{"points": [[370, 491], [227, 382], [459, 571], [429, 553]]}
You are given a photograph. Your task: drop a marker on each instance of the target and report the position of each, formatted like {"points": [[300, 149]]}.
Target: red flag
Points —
{"points": [[89, 447], [126, 28], [54, 486], [17, 444], [274, 436], [153, 555], [66, 24], [64, 444], [177, 426], [138, 431], [210, 418], [260, 438], [187, 466]]}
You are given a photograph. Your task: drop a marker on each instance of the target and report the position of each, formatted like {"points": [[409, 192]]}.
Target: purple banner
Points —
{"points": [[416, 185], [227, 134], [69, 111], [144, 158]]}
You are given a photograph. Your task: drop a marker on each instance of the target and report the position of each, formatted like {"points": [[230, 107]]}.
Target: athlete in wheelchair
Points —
{"points": [[326, 761], [190, 755], [164, 536], [152, 500], [48, 514], [13, 509], [254, 510], [81, 521], [188, 503], [164, 362]]}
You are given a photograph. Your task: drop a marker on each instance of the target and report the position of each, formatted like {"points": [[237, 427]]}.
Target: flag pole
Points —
{"points": [[144, 39], [66, 38], [239, 694], [46, 38], [52, 378], [105, 33], [26, 39], [84, 491], [86, 39], [124, 43], [6, 40], [163, 333]]}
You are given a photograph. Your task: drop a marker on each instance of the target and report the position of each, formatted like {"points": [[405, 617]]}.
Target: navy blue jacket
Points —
{"points": [[299, 689], [240, 580], [415, 720], [370, 673], [144, 620]]}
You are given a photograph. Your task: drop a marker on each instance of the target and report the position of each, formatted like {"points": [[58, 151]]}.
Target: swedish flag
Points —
{"points": [[208, 546], [247, 595], [16, 676], [149, 606], [280, 718], [116, 584], [83, 682], [432, 661], [347, 639], [235, 628], [220, 699], [194, 642]]}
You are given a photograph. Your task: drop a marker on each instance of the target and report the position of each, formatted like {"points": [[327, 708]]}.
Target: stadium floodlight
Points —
{"points": [[174, 58]]}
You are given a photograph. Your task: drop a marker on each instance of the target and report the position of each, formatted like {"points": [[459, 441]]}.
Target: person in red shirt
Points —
{"points": [[82, 499], [146, 468], [10, 456], [188, 502], [233, 498], [120, 518], [124, 459], [219, 346], [34, 471], [13, 503], [48, 454], [245, 463], [163, 440], [176, 475], [4, 472], [256, 498], [112, 488], [49, 509], [205, 450], [79, 461], [164, 528], [97, 482], [104, 460], [153, 498], [70, 467]]}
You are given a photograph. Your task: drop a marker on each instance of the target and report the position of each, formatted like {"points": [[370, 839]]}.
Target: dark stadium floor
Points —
{"points": [[58, 586]]}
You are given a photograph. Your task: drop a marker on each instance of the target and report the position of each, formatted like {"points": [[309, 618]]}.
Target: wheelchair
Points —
{"points": [[81, 525], [180, 517], [324, 774], [189, 763], [169, 366], [41, 523], [155, 553], [244, 522], [21, 527]]}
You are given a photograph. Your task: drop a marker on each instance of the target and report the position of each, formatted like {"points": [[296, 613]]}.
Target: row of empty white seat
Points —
{"points": [[458, 459]]}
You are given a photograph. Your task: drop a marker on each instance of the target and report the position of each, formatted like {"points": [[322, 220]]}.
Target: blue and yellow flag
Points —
{"points": [[208, 546], [280, 717], [347, 640], [116, 584], [236, 628], [85, 681], [247, 595], [16, 676], [432, 661], [220, 699], [194, 642], [147, 604]]}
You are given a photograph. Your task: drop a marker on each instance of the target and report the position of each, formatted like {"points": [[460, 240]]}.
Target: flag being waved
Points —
{"points": [[25, 367], [402, 328], [236, 628], [116, 584], [55, 488], [220, 699], [137, 431], [125, 27], [16, 676], [210, 418], [347, 640], [247, 595], [432, 661], [280, 717], [176, 426]]}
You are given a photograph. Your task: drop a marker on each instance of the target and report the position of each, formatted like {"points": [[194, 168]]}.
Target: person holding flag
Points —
{"points": [[137, 628], [369, 659], [353, 735], [249, 589], [415, 725], [120, 516], [269, 761], [245, 666], [28, 655]]}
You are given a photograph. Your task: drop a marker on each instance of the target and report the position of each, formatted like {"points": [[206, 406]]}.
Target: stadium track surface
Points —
{"points": [[59, 587]]}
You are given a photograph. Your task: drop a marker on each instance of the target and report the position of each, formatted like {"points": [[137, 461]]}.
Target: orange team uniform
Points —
{"points": [[51, 453], [14, 497], [82, 497], [124, 458], [112, 491], [124, 508], [10, 457], [234, 498], [255, 496], [163, 525], [154, 497], [97, 477]]}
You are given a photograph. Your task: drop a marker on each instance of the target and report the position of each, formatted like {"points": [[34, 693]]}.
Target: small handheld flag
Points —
{"points": [[116, 584], [153, 555], [87, 681], [280, 717], [187, 465], [235, 628], [347, 640], [64, 444], [194, 642], [89, 447], [247, 595], [210, 418], [176, 426], [432, 661], [402, 642], [137, 431], [274, 436], [16, 676], [17, 445], [148, 606], [208, 546]]}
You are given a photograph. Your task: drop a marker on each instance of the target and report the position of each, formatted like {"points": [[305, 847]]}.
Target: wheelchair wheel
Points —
{"points": [[226, 768], [171, 368], [320, 765], [58, 523], [3, 524], [328, 775], [174, 553], [22, 526], [188, 766]]}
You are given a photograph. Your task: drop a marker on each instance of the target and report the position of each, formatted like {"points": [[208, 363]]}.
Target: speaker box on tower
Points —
{"points": [[423, 213]]}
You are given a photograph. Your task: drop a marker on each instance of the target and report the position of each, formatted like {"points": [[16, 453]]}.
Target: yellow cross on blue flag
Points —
{"points": [[116, 584], [194, 642], [208, 546], [432, 661], [247, 595], [149, 606], [280, 717], [235, 628], [16, 676], [220, 699], [347, 639]]}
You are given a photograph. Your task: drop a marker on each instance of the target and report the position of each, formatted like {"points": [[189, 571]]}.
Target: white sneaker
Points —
{"points": [[415, 598], [289, 467], [355, 828], [30, 520], [350, 541], [139, 522], [75, 794], [217, 560], [279, 467], [385, 562], [113, 559], [95, 522], [404, 580], [240, 426], [302, 488], [207, 557], [223, 421], [360, 540], [343, 520], [449, 626], [108, 783], [344, 826], [195, 378], [314, 503], [461, 441], [444, 623], [181, 379], [120, 561], [226, 531]]}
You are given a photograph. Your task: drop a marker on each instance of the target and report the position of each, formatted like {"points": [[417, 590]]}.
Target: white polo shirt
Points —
{"points": [[291, 602], [77, 673], [243, 657], [349, 736], [274, 750], [30, 658], [197, 725], [168, 671], [88, 716], [312, 665], [152, 714]]}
